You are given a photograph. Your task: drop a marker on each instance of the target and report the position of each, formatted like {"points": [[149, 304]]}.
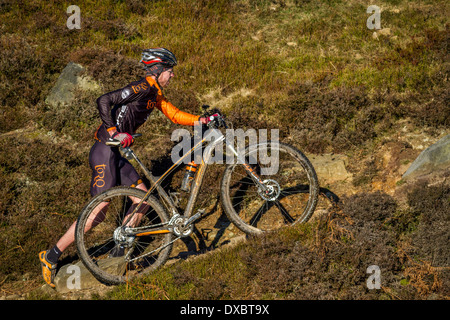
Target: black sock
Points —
{"points": [[53, 255]]}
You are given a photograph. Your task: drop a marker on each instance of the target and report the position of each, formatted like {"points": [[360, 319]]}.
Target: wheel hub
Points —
{"points": [[272, 191], [121, 237]]}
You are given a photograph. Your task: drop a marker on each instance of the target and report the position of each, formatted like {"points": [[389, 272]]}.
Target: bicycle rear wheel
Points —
{"points": [[292, 184], [109, 253]]}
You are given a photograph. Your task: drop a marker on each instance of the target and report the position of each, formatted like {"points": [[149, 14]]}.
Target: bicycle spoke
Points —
{"points": [[155, 250], [287, 197], [101, 249], [102, 243]]}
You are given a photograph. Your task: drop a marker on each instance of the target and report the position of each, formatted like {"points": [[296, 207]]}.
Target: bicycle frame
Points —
{"points": [[156, 182]]}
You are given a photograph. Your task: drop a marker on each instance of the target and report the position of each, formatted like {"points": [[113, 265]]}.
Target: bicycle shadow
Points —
{"points": [[200, 247], [333, 198], [193, 247]]}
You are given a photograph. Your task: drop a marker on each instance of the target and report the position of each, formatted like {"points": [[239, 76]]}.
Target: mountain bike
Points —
{"points": [[125, 232]]}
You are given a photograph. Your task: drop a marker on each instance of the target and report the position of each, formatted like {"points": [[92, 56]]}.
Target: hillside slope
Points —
{"points": [[311, 69]]}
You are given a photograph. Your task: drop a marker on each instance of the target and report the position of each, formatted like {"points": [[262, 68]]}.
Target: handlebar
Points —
{"points": [[218, 119], [116, 143]]}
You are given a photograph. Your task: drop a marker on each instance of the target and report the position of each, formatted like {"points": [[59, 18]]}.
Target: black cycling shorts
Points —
{"points": [[110, 169]]}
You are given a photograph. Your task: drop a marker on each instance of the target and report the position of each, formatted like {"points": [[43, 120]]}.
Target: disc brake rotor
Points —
{"points": [[272, 191]]}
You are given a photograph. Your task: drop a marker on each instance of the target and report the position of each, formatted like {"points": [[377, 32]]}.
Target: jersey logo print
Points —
{"points": [[139, 87], [151, 104]]}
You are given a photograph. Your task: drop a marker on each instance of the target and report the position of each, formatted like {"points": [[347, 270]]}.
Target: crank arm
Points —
{"points": [[194, 217]]}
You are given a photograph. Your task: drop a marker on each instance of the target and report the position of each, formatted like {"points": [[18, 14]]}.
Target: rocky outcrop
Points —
{"points": [[71, 78], [330, 167], [72, 277], [436, 157]]}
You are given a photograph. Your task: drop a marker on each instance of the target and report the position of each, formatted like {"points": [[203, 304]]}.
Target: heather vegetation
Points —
{"points": [[326, 259], [310, 68]]}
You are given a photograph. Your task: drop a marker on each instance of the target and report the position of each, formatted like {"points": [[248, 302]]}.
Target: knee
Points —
{"points": [[142, 187]]}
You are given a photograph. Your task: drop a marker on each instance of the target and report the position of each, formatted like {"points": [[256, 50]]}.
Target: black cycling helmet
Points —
{"points": [[156, 60]]}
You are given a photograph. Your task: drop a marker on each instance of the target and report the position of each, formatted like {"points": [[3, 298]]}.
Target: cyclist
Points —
{"points": [[122, 112]]}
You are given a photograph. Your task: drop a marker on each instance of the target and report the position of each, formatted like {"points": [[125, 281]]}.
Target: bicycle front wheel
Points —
{"points": [[111, 254], [291, 194]]}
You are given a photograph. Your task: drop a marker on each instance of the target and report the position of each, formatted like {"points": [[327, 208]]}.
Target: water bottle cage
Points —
{"points": [[189, 175]]}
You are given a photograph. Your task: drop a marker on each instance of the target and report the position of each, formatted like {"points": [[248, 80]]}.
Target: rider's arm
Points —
{"points": [[176, 115]]}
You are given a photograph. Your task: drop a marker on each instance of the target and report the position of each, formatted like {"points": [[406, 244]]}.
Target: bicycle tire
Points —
{"points": [[295, 183], [96, 246]]}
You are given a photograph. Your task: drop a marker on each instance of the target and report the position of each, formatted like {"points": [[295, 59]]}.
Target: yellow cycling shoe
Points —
{"points": [[48, 269]]}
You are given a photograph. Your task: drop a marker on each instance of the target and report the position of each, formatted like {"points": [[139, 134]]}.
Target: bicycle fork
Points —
{"points": [[251, 172]]}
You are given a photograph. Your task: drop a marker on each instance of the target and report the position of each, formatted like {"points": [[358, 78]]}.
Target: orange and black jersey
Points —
{"points": [[128, 108]]}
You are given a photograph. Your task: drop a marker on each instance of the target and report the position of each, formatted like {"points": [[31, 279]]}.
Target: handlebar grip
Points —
{"points": [[112, 142], [116, 143]]}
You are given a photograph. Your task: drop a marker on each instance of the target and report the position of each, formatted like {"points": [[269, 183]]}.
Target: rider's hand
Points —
{"points": [[125, 139], [206, 120]]}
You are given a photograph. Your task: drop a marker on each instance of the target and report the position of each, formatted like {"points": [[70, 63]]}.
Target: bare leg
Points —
{"points": [[97, 216], [69, 237], [136, 218]]}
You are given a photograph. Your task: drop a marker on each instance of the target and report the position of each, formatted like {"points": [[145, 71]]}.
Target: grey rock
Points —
{"points": [[73, 277], [435, 157], [62, 92], [330, 167], [71, 78]]}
